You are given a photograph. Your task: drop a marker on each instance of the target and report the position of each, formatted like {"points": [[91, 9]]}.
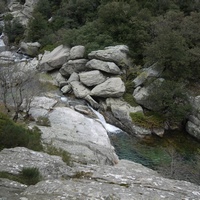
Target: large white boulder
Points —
{"points": [[84, 138]]}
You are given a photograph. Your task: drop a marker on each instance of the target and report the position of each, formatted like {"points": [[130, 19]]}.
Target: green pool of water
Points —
{"points": [[176, 155]]}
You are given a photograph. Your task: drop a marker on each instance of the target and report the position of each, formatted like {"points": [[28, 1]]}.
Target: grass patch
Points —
{"points": [[28, 176], [130, 99], [66, 157], [150, 120], [14, 135], [43, 121]]}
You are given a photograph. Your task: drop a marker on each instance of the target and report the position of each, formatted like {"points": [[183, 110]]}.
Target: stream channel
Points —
{"points": [[176, 155]]}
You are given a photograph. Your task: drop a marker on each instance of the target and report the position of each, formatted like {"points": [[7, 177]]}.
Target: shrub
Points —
{"points": [[147, 121], [43, 121], [14, 135], [66, 157], [28, 176]]}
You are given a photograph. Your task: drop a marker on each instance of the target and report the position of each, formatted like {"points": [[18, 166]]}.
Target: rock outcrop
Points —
{"points": [[30, 49], [124, 181]]}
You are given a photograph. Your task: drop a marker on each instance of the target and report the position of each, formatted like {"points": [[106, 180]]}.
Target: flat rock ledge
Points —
{"points": [[125, 181]]}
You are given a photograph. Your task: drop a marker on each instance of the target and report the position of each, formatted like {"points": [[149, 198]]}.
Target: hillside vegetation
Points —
{"points": [[165, 32]]}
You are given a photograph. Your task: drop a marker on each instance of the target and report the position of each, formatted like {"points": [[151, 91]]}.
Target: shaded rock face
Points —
{"points": [[84, 138]]}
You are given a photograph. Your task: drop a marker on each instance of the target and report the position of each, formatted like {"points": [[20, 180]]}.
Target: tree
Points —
{"points": [[169, 99], [17, 87]]}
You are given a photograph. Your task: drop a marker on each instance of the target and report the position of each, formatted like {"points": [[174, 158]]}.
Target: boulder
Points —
{"points": [[152, 71], [41, 105], [109, 67], [77, 52], [73, 66], [92, 78], [60, 79], [113, 87], [6, 57], [30, 49], [141, 131], [55, 59], [121, 109], [80, 91], [117, 54], [84, 138], [65, 89], [73, 77], [141, 93]]}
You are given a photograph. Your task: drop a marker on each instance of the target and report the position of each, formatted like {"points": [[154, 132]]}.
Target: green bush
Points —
{"points": [[66, 157], [147, 121], [14, 135], [28, 176], [43, 121]]}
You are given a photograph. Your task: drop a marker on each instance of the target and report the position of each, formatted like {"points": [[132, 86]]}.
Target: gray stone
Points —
{"points": [[116, 54], [140, 131], [141, 94], [109, 67], [66, 89], [77, 52], [121, 109], [113, 87], [84, 138], [30, 49], [2, 46], [80, 91], [153, 71], [41, 105], [73, 66], [55, 59], [60, 79], [73, 77], [92, 78]]}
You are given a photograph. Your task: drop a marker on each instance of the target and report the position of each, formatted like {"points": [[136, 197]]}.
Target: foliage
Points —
{"points": [[129, 99], [43, 121], [28, 176], [147, 121], [13, 135], [169, 99], [14, 30], [66, 157]]}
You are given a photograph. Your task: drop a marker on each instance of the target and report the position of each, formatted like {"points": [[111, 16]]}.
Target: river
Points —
{"points": [[176, 155]]}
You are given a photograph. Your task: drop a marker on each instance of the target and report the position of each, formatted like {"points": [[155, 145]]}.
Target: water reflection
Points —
{"points": [[176, 155]]}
